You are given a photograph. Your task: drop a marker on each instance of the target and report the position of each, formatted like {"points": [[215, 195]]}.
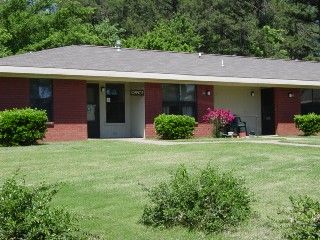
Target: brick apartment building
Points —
{"points": [[101, 92]]}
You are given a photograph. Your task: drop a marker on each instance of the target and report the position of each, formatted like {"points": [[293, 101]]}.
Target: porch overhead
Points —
{"points": [[129, 65]]}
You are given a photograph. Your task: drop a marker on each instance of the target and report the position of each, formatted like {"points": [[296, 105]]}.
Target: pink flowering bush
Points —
{"points": [[219, 118]]}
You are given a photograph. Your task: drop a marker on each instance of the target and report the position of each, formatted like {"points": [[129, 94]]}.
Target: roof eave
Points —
{"points": [[94, 75]]}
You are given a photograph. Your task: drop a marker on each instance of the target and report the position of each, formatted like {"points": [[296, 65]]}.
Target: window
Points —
{"points": [[179, 99], [310, 101], [41, 96], [115, 102]]}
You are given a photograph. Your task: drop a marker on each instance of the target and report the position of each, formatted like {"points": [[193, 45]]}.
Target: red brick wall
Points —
{"points": [[285, 109], [69, 111], [203, 130], [66, 132], [153, 107], [70, 120], [14, 93], [203, 103]]}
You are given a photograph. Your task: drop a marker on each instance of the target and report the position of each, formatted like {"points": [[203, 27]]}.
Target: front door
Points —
{"points": [[267, 111], [115, 103], [93, 115]]}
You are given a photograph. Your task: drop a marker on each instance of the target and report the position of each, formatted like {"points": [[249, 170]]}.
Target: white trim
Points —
{"points": [[10, 71]]}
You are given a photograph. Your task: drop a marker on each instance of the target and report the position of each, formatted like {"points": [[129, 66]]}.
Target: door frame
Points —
{"points": [[271, 129]]}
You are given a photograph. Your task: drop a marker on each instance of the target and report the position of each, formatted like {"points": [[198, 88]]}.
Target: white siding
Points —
{"points": [[240, 102], [134, 115]]}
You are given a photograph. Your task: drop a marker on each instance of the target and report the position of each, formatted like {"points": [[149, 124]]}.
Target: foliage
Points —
{"points": [[280, 29], [174, 126], [301, 20], [269, 42], [302, 220], [25, 213], [177, 34], [35, 25], [135, 16], [5, 37], [224, 25], [107, 33], [209, 201], [309, 124], [22, 126], [219, 118]]}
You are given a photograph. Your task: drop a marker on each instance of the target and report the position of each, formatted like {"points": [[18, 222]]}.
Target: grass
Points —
{"points": [[251, 138], [104, 180], [312, 140]]}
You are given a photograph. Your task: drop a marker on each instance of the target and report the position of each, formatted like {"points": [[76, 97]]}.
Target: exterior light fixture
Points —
{"points": [[290, 95], [118, 45], [102, 89], [252, 93], [206, 93]]}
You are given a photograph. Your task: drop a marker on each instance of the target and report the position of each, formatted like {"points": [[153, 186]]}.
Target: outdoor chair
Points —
{"points": [[236, 126]]}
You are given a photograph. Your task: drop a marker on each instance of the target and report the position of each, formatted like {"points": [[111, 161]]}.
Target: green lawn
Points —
{"points": [[252, 138], [104, 180], [313, 140]]}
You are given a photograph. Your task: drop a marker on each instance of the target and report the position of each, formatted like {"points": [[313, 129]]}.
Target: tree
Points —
{"points": [[269, 42], [300, 19], [4, 38], [36, 25], [225, 25], [178, 34], [107, 33], [264, 28], [135, 16]]}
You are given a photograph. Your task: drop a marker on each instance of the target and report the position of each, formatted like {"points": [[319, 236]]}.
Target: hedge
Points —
{"points": [[309, 124], [302, 219], [22, 127], [209, 201], [174, 126]]}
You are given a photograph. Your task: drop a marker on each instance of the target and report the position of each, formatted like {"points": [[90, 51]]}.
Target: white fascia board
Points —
{"points": [[147, 77]]}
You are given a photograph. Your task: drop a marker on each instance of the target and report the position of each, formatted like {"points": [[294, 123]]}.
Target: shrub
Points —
{"points": [[25, 213], [22, 126], [208, 201], [309, 124], [302, 219], [174, 126], [219, 118]]}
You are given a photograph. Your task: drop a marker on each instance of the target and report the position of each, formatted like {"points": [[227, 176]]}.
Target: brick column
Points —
{"points": [[285, 109], [14, 93], [69, 111], [153, 106], [203, 103]]}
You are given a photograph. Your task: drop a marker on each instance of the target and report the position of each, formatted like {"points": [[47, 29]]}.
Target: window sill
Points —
{"points": [[50, 124]]}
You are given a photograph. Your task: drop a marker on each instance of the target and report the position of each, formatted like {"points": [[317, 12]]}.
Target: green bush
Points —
{"points": [[208, 201], [25, 213], [174, 126], [302, 219], [22, 126], [309, 124]]}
